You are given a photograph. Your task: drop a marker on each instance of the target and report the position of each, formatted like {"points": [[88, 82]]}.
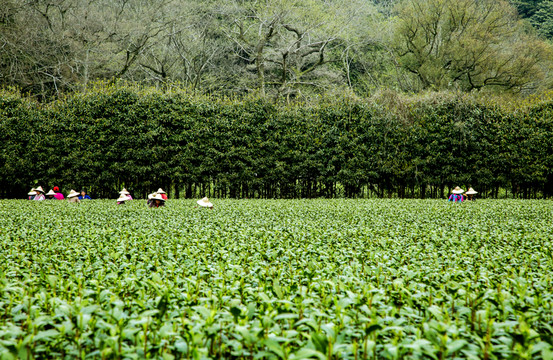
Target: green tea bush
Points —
{"points": [[277, 279]]}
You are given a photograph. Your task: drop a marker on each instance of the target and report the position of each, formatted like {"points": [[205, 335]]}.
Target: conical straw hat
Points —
{"points": [[122, 197], [51, 192], [72, 193], [156, 196], [124, 191], [457, 190], [204, 202], [471, 191]]}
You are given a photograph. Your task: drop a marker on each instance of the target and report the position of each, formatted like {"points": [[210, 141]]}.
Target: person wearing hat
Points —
{"points": [[126, 193], [205, 203], [470, 194], [84, 195], [50, 195], [39, 194], [73, 197], [155, 200], [58, 195], [162, 193], [122, 199], [32, 194], [456, 195]]}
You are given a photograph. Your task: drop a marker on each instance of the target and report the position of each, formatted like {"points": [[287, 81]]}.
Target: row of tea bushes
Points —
{"points": [[277, 279]]}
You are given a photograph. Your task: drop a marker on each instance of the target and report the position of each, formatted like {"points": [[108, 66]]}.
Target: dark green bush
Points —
{"points": [[119, 136]]}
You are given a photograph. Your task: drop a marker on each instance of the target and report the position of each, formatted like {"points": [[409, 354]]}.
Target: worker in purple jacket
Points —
{"points": [[456, 195]]}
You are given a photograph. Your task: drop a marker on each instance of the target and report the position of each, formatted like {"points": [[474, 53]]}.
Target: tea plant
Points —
{"points": [[277, 279]]}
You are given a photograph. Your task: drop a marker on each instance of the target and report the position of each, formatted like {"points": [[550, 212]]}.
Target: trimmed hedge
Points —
{"points": [[119, 136]]}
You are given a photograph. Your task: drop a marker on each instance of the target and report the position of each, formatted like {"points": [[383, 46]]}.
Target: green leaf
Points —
{"points": [[306, 353], [275, 347], [46, 334], [320, 341], [372, 328], [455, 346]]}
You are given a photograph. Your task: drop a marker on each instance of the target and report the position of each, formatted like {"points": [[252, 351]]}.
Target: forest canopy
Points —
{"points": [[282, 49]]}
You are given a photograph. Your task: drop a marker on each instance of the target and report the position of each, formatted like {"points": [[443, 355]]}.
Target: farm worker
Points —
{"points": [[73, 197], [50, 195], [151, 199], [39, 194], [84, 195], [456, 194], [470, 194], [205, 203], [32, 194], [58, 195], [126, 193], [155, 200], [122, 199], [162, 193]]}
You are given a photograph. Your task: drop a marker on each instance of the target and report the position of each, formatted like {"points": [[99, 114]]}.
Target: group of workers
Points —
{"points": [[458, 196], [155, 200], [158, 198], [38, 194]]}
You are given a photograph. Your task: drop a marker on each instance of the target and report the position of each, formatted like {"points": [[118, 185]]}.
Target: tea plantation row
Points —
{"points": [[277, 279]]}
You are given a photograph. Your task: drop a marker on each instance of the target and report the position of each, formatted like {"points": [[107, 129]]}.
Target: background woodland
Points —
{"points": [[282, 49]]}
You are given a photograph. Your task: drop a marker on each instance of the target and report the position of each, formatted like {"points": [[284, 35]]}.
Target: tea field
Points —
{"points": [[277, 279]]}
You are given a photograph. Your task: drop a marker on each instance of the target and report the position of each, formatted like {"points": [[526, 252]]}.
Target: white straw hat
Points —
{"points": [[33, 192], [124, 191], [39, 189], [122, 197], [156, 196], [471, 191], [160, 191], [72, 193], [204, 202], [51, 192], [457, 190]]}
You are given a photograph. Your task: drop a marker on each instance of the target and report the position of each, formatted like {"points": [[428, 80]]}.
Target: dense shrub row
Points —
{"points": [[112, 137]]}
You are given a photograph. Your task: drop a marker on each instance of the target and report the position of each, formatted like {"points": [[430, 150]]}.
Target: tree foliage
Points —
{"points": [[469, 44], [286, 50], [290, 44], [539, 13], [116, 136]]}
